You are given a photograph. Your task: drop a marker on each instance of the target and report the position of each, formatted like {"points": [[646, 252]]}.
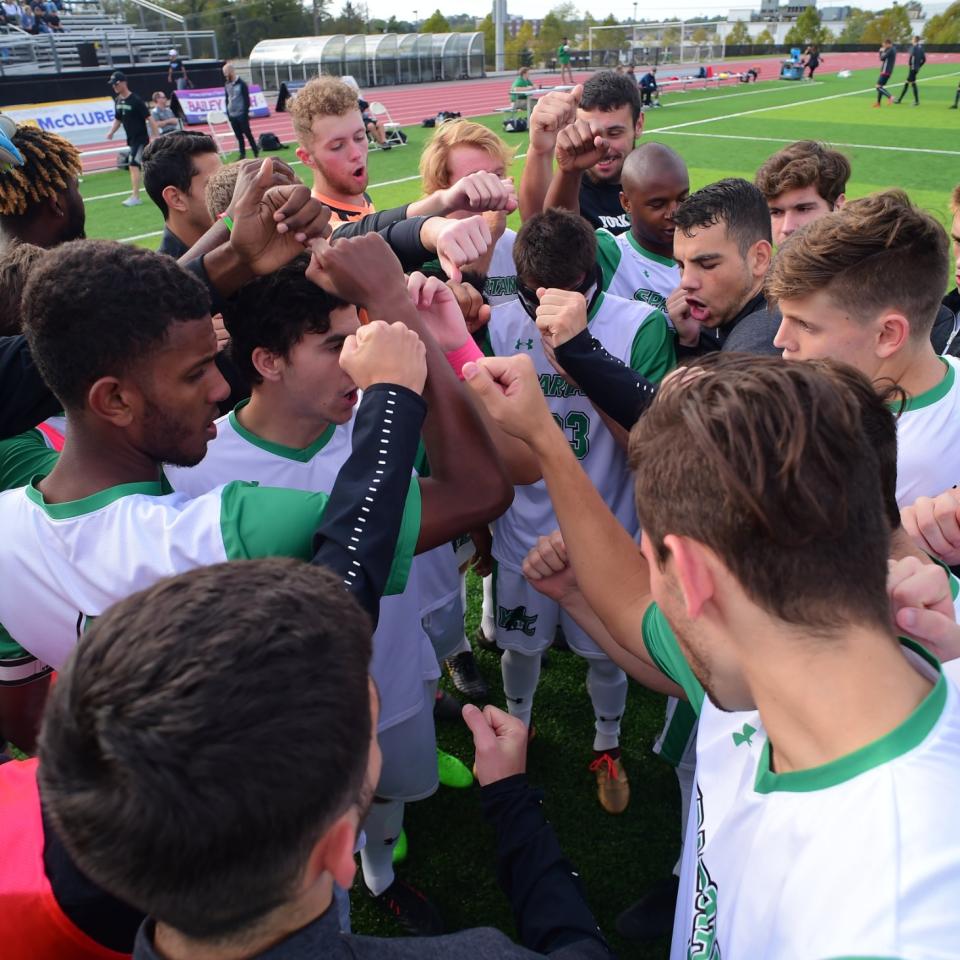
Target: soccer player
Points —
{"points": [[782, 753], [956, 99], [40, 200], [802, 182], [269, 800], [296, 432], [639, 264], [918, 57], [563, 59], [863, 285], [813, 60], [722, 246], [333, 144], [606, 107], [176, 168], [133, 114], [555, 256], [952, 300], [888, 59]]}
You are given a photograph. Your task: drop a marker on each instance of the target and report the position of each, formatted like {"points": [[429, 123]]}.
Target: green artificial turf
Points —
{"points": [[725, 132]]}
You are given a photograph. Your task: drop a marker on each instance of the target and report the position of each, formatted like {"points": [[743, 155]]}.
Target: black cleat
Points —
{"points": [[446, 707], [651, 917], [410, 908], [466, 676], [486, 643]]}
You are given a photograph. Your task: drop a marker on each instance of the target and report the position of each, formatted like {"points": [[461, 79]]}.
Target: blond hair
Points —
{"points": [[955, 200], [462, 133], [321, 97], [871, 255], [219, 189]]}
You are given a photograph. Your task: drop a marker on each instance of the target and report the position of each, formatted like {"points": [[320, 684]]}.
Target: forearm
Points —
{"points": [[221, 270], [564, 191], [365, 570], [534, 183], [114, 128], [374, 222], [545, 894], [431, 206]]}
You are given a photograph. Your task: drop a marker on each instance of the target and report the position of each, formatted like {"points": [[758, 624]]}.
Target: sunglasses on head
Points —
{"points": [[530, 301]]}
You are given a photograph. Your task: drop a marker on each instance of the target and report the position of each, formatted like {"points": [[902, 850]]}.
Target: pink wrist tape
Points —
{"points": [[463, 355]]}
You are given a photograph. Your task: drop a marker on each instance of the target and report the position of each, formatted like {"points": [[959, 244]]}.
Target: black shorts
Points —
{"points": [[136, 151], [912, 76], [883, 79]]}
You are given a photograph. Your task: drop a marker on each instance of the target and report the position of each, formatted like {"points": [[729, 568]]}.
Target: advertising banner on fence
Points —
{"points": [[196, 104], [79, 121]]}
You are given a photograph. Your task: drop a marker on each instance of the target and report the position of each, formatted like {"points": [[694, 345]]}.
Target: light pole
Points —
{"points": [[415, 21], [633, 46]]}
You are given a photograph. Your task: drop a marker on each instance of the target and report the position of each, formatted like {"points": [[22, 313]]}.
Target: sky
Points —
{"points": [[622, 9]]}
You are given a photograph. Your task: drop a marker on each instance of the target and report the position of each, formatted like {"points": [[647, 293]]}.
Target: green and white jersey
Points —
{"points": [[630, 331], [402, 654], [928, 439], [62, 564], [855, 858], [501, 282], [634, 273]]}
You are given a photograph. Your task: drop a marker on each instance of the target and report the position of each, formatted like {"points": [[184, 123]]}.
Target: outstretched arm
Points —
{"points": [[551, 114]]}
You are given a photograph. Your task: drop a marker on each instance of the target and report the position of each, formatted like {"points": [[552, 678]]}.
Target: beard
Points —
{"points": [[165, 438]]}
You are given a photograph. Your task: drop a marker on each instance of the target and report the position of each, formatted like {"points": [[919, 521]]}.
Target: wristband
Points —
{"points": [[227, 221], [463, 355]]}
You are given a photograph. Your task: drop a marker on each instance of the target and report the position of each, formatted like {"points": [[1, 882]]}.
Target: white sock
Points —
{"points": [[520, 672], [607, 686], [488, 621], [685, 775], [464, 647], [382, 826]]}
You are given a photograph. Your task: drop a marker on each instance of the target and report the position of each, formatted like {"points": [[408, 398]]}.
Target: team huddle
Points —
{"points": [[707, 440]]}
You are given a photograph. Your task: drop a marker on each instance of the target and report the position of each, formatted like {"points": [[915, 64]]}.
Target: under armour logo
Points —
{"points": [[526, 344]]}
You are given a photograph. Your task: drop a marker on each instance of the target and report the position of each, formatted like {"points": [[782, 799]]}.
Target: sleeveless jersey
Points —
{"points": [[501, 283], [402, 654], [633, 272], [632, 332]]}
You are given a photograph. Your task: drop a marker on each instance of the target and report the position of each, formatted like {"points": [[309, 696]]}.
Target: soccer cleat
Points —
{"points": [[446, 707], [453, 772], [465, 675], [411, 909], [132, 202], [954, 107], [401, 848], [651, 917], [486, 643], [876, 106], [613, 786]]}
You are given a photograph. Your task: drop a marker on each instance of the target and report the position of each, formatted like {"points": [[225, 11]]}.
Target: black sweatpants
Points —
{"points": [[241, 127]]}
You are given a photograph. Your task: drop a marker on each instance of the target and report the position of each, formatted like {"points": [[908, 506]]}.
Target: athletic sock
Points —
{"points": [[607, 686], [520, 672], [382, 825], [488, 621]]}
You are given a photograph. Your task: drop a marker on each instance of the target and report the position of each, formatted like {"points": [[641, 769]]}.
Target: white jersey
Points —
{"points": [[858, 857], [928, 439], [633, 272], [402, 655], [438, 571], [501, 282], [630, 331], [65, 563]]}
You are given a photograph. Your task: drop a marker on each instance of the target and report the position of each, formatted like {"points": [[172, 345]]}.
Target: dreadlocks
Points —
{"points": [[50, 163]]}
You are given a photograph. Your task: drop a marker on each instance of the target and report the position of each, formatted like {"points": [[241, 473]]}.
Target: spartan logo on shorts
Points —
{"points": [[516, 619], [703, 937]]}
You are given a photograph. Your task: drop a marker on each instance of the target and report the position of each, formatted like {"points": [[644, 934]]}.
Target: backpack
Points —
{"points": [[270, 141], [515, 125]]}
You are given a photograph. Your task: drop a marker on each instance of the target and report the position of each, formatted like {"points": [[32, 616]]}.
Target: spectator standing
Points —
{"points": [[237, 95], [175, 66], [133, 114], [563, 59], [163, 114]]}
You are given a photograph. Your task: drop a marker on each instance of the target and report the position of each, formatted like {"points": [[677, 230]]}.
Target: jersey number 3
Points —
{"points": [[578, 425]]}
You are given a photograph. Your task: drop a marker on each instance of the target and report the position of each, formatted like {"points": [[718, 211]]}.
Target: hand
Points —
{"points": [[273, 224], [385, 353], [509, 389], [934, 524], [581, 145], [475, 312], [110, 135], [222, 334], [482, 561], [500, 741], [561, 315], [283, 176], [548, 570], [922, 606], [362, 270], [551, 114], [480, 191], [688, 329], [460, 242], [438, 307]]}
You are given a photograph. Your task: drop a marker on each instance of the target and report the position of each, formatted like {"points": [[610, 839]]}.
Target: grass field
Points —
{"points": [[727, 132]]}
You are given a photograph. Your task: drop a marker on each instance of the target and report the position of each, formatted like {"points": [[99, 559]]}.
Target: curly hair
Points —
{"points": [[16, 262], [321, 97], [806, 163], [50, 164], [218, 192]]}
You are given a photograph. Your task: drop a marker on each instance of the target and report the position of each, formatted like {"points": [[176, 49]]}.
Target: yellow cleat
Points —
{"points": [[613, 786]]}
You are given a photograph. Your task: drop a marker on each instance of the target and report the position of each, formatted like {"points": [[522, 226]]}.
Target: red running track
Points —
{"points": [[475, 98]]}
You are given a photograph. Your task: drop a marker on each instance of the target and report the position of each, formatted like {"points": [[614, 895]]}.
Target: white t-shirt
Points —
{"points": [[856, 858], [928, 439], [630, 331], [63, 564], [402, 655], [633, 272]]}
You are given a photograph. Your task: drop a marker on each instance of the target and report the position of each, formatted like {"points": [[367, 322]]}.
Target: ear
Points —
{"points": [[304, 156], [840, 201], [267, 364], [109, 400], [759, 257], [56, 205], [692, 571], [624, 202], [333, 854], [638, 129], [893, 331], [173, 198]]}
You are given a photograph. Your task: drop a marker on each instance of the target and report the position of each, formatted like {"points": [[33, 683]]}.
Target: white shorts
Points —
{"points": [[444, 626], [527, 620], [410, 756]]}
